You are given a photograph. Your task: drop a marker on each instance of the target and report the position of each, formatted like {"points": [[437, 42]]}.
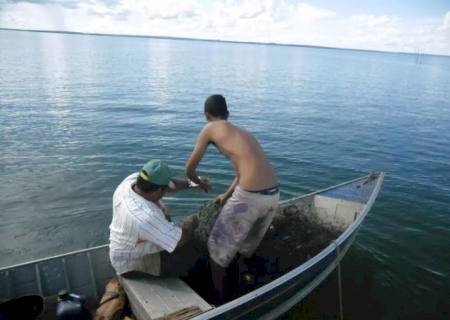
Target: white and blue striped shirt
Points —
{"points": [[139, 231]]}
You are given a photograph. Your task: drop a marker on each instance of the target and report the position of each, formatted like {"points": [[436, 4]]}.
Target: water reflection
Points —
{"points": [[53, 64], [160, 68]]}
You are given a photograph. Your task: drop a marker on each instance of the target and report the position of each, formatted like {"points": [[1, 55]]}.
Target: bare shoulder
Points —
{"points": [[208, 133], [217, 124], [207, 129], [214, 127]]}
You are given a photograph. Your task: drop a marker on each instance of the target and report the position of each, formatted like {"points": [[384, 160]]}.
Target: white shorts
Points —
{"points": [[241, 225]]}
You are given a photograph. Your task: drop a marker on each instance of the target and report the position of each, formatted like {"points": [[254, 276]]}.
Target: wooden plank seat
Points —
{"points": [[162, 298]]}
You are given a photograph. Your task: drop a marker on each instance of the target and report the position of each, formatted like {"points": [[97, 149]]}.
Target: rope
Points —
{"points": [[114, 295], [341, 307]]}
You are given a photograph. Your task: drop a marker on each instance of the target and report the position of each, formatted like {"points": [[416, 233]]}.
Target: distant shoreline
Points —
{"points": [[219, 41]]}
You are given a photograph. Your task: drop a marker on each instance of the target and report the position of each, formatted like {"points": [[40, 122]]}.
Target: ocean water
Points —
{"points": [[79, 113]]}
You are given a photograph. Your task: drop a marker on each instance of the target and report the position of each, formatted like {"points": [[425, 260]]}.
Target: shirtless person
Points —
{"points": [[252, 197]]}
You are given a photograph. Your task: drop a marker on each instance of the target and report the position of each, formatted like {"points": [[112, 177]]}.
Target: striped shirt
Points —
{"points": [[139, 231]]}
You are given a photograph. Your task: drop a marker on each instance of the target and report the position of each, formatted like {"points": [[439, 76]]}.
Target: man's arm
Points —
{"points": [[165, 234], [155, 228], [196, 156], [188, 227], [178, 184]]}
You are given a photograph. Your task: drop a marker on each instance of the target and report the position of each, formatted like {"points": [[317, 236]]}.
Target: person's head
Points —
{"points": [[216, 108], [154, 178]]}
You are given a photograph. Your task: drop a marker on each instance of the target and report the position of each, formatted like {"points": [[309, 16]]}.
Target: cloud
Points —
{"points": [[310, 14], [276, 10], [172, 12], [70, 4], [28, 15], [151, 10], [393, 33], [263, 20], [375, 32], [446, 22], [374, 21], [246, 9]]}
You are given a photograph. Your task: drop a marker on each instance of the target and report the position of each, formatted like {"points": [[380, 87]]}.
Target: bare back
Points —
{"points": [[252, 167]]}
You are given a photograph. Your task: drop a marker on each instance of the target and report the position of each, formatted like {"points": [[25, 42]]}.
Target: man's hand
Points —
{"points": [[190, 222], [188, 226], [221, 198], [204, 184]]}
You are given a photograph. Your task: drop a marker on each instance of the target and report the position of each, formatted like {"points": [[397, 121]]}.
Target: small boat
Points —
{"points": [[341, 208]]}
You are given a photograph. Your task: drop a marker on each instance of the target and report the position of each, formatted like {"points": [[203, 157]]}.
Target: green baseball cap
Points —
{"points": [[156, 172]]}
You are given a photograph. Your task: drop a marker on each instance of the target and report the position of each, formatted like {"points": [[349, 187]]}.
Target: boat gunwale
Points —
{"points": [[63, 255]]}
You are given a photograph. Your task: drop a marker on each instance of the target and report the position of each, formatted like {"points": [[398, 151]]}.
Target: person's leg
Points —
{"points": [[225, 280], [230, 230], [227, 236], [218, 274], [265, 215]]}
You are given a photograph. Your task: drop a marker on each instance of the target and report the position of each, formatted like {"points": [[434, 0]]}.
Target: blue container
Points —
{"points": [[71, 306]]}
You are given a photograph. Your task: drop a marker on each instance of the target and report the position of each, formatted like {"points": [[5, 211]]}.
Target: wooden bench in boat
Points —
{"points": [[163, 298]]}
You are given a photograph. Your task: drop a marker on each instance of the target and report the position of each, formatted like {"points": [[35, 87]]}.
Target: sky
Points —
{"points": [[387, 25]]}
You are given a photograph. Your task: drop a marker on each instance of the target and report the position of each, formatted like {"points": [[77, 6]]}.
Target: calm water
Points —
{"points": [[79, 113]]}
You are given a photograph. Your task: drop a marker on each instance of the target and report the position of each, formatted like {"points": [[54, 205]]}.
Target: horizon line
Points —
{"points": [[218, 40]]}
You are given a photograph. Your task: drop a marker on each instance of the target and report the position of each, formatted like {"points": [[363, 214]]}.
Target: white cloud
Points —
{"points": [[246, 9], [374, 21], [373, 32], [446, 23], [63, 3], [168, 9], [310, 14], [391, 33], [29, 15]]}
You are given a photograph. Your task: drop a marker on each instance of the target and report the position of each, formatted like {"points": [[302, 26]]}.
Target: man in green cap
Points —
{"points": [[142, 236]]}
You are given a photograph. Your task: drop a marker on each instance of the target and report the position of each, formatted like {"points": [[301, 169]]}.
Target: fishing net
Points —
{"points": [[294, 236]]}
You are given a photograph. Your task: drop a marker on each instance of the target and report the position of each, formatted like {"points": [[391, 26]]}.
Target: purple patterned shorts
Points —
{"points": [[241, 225]]}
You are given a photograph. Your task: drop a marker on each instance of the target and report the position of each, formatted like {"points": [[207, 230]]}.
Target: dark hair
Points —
{"points": [[216, 106], [147, 186]]}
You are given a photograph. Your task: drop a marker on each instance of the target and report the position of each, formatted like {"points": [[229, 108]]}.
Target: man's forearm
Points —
{"points": [[188, 226], [180, 183], [231, 188], [196, 181], [186, 236], [192, 175]]}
